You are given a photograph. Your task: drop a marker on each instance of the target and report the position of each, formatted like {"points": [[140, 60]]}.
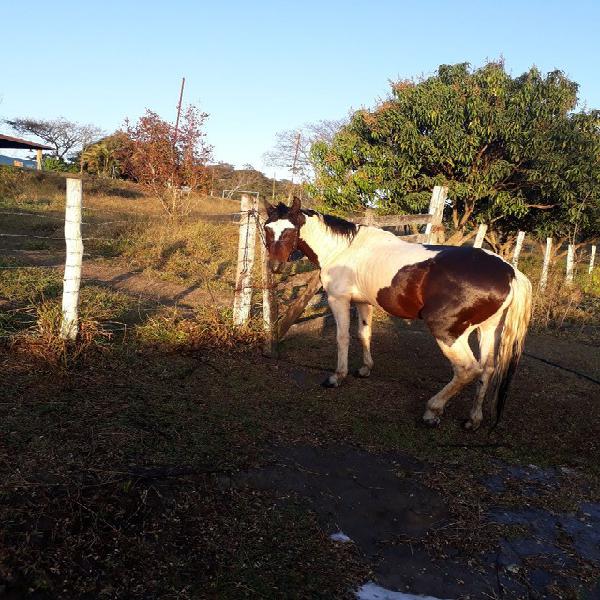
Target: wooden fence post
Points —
{"points": [[518, 246], [297, 306], [369, 217], [73, 259], [545, 266], [246, 244], [269, 298], [592, 258], [480, 236], [436, 209], [570, 264]]}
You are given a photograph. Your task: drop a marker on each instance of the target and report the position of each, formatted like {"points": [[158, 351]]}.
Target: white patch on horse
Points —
{"points": [[278, 227]]}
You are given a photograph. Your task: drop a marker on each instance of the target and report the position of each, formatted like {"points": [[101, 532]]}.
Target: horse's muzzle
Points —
{"points": [[277, 265]]}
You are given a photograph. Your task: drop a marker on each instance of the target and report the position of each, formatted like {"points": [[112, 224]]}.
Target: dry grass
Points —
{"points": [[560, 305], [209, 328], [190, 252]]}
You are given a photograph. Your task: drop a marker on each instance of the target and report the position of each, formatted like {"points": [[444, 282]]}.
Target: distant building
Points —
{"points": [[14, 161], [7, 141]]}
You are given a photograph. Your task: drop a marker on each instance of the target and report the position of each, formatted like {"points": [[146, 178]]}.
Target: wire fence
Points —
{"points": [[66, 254], [251, 222]]}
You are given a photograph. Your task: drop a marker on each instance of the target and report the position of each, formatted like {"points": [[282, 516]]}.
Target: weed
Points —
{"points": [[207, 328]]}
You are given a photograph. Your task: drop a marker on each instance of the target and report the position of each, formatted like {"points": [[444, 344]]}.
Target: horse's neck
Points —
{"points": [[323, 242]]}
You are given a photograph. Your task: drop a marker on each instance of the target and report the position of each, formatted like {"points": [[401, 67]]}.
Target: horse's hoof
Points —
{"points": [[362, 373], [469, 425], [330, 384], [432, 422]]}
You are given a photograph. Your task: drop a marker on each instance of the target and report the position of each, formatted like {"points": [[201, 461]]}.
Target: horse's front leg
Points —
{"points": [[365, 316], [340, 307]]}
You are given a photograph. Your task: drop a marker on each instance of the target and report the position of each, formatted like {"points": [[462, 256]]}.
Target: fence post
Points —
{"points": [[480, 236], [297, 306], [518, 246], [246, 244], [269, 299], [570, 263], [592, 258], [73, 259], [369, 217], [544, 275], [436, 209]]}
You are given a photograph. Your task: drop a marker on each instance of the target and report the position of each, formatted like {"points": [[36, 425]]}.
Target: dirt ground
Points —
{"points": [[195, 474]]}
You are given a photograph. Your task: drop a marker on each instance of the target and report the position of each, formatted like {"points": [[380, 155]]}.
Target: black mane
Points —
{"points": [[335, 224]]}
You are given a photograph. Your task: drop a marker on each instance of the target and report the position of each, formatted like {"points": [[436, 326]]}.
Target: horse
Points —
{"points": [[453, 289]]}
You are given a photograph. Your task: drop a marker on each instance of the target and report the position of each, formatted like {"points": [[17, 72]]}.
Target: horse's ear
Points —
{"points": [[271, 210], [295, 205]]}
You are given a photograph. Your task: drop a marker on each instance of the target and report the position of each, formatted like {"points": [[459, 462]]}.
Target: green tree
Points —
{"points": [[106, 157], [510, 150]]}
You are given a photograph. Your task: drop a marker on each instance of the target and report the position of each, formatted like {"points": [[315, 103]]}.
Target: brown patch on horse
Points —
{"points": [[451, 291], [308, 252], [404, 297], [284, 246]]}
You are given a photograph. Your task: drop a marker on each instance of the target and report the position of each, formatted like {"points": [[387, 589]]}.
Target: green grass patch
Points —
{"points": [[28, 285]]}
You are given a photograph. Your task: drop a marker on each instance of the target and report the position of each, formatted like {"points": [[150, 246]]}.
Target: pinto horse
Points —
{"points": [[455, 290]]}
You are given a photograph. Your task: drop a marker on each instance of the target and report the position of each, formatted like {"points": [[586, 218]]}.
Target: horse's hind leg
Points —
{"points": [[465, 368], [365, 316], [488, 339]]}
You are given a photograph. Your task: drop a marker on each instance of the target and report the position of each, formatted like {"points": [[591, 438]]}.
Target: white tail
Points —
{"points": [[514, 329]]}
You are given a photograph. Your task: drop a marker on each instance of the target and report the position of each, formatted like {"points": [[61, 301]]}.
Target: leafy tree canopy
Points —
{"points": [[511, 151], [169, 162]]}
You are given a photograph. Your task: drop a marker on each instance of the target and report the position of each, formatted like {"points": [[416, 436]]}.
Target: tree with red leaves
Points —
{"points": [[172, 164]]}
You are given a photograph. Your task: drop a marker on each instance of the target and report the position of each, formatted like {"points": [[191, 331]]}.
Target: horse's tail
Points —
{"points": [[512, 336]]}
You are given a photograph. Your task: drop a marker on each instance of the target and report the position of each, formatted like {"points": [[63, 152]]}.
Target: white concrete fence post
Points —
{"points": [[73, 260], [592, 258], [570, 264], [518, 246], [546, 265], [246, 245], [480, 236]]}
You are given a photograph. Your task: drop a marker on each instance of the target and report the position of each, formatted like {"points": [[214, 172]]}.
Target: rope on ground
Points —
{"points": [[556, 365]]}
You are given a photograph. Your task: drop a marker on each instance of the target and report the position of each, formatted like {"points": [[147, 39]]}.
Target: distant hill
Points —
{"points": [[227, 181], [17, 162]]}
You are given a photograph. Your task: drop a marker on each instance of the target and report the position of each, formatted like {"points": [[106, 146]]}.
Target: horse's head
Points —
{"points": [[282, 233]]}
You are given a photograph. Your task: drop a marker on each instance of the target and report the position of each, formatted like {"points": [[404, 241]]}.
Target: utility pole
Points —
{"points": [[297, 148], [178, 111], [295, 157]]}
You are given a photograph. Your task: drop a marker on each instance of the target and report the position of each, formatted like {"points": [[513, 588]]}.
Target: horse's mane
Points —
{"points": [[336, 225]]}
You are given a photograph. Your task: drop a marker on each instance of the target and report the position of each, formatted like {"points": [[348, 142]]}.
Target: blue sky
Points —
{"points": [[261, 67]]}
